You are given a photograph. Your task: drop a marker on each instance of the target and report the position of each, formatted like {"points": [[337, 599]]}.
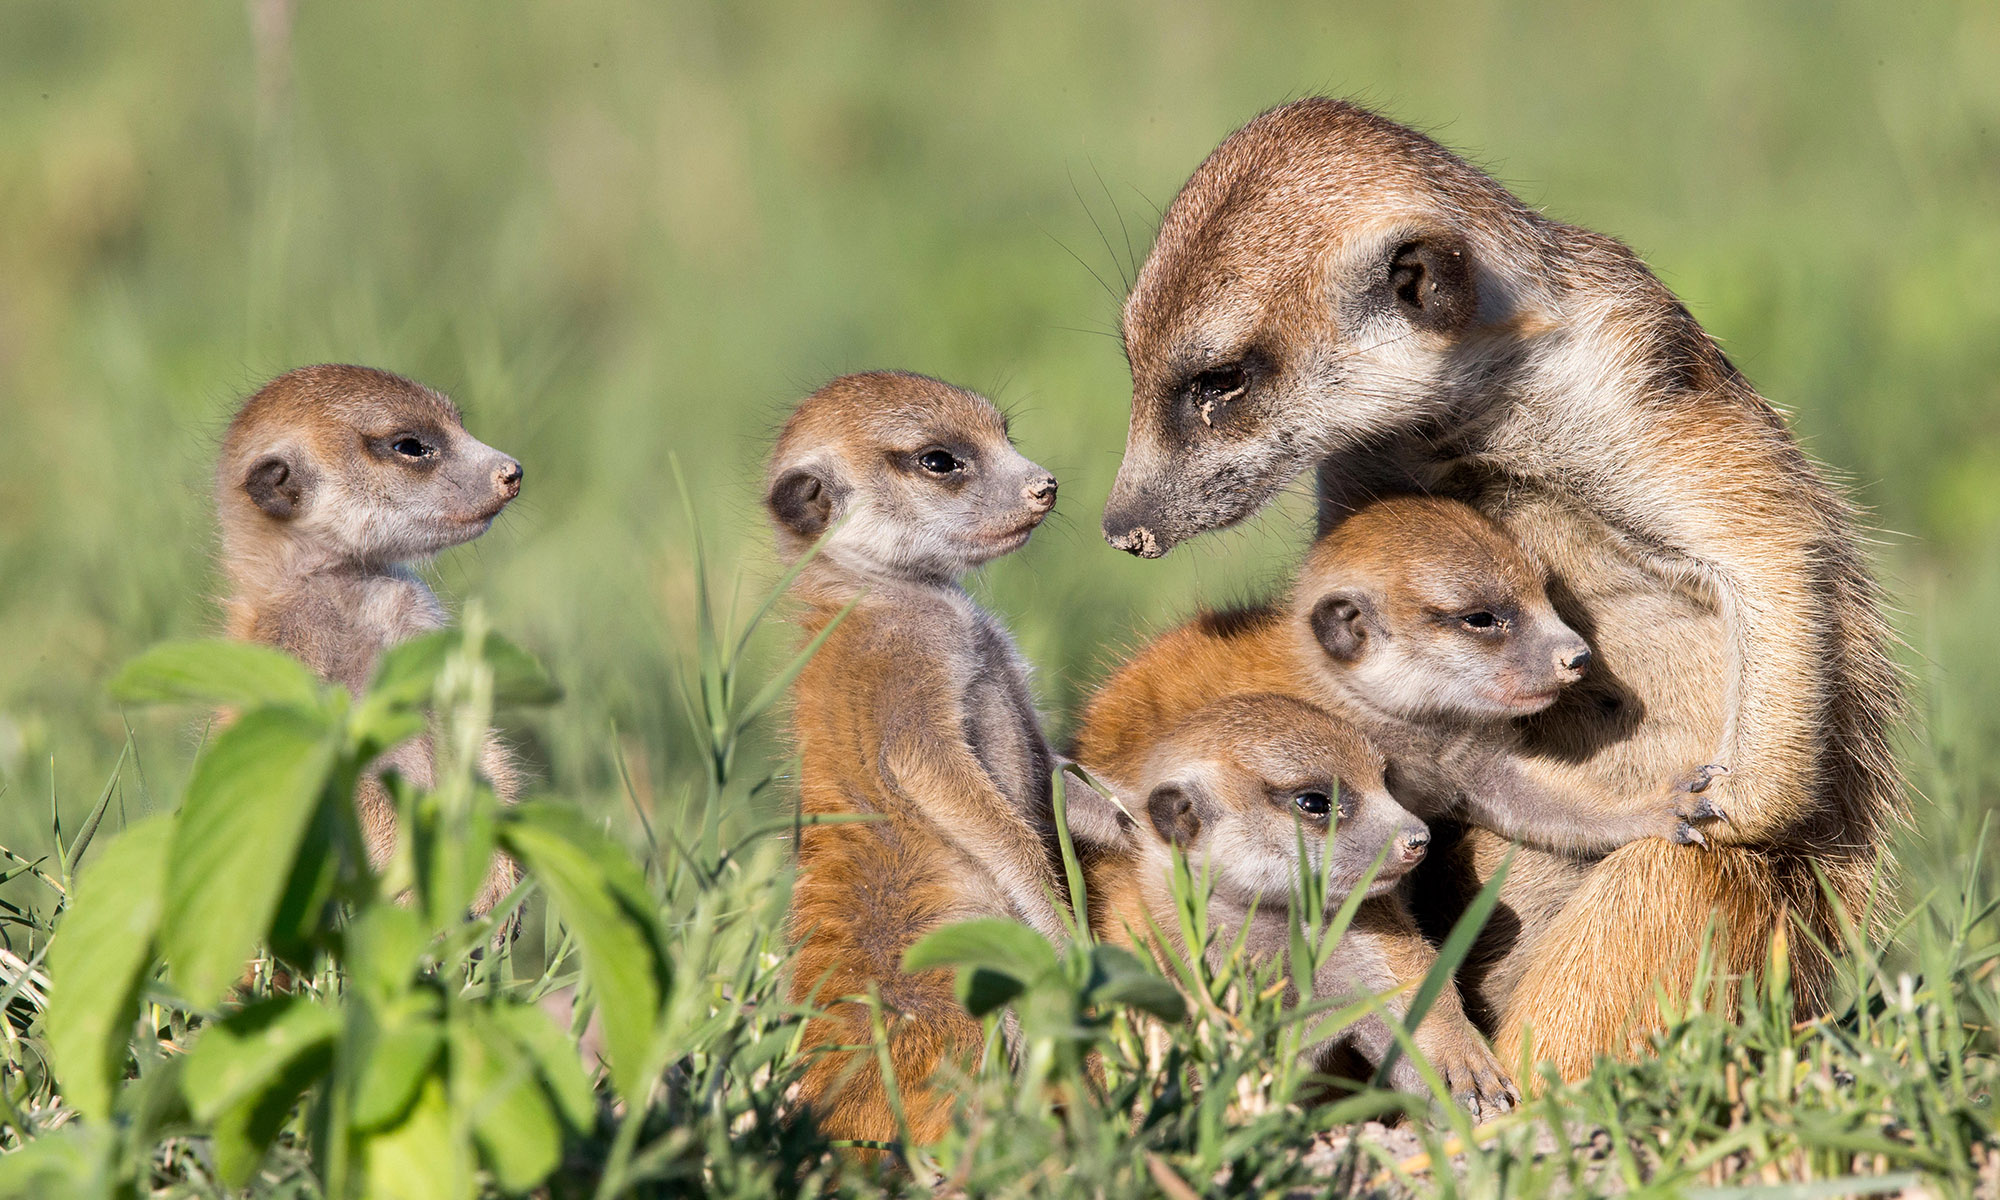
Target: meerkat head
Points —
{"points": [[1325, 277], [357, 465], [1235, 781], [1422, 608], [917, 478]]}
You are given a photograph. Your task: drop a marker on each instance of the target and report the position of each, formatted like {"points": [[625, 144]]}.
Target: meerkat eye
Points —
{"points": [[1482, 621], [939, 462], [1219, 383], [410, 447], [1314, 804]]}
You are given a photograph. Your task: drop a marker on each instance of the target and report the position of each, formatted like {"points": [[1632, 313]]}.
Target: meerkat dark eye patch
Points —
{"points": [[802, 502], [1431, 279], [1340, 625], [1220, 383], [422, 448], [275, 488]]}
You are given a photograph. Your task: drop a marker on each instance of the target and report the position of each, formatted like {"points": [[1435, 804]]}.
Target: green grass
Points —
{"points": [[623, 235]]}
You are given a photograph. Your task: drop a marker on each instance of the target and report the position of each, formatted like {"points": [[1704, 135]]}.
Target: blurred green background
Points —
{"points": [[621, 233]]}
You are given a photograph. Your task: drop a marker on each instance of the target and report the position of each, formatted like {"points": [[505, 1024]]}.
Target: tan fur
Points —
{"points": [[1214, 772], [321, 516], [916, 711], [1331, 289]]}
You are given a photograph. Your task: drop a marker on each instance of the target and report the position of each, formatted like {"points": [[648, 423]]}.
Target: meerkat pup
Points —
{"points": [[1333, 291], [1424, 621], [332, 481], [915, 711], [1233, 786]]}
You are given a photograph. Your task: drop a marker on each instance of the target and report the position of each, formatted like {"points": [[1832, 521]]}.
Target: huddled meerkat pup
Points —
{"points": [[1425, 625], [332, 481], [1424, 621], [1332, 290], [915, 711], [1230, 785]]}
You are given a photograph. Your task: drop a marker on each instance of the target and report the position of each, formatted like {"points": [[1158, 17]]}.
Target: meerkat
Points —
{"points": [[1331, 290], [916, 711], [1418, 620], [332, 481], [1233, 785]]}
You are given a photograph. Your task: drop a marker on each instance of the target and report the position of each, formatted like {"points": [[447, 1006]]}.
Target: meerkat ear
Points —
{"points": [[802, 502], [276, 486], [1431, 280], [1340, 625], [1175, 809]]}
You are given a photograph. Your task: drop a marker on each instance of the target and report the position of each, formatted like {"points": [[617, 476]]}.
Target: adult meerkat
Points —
{"points": [[1421, 622], [915, 711], [332, 481], [1333, 290], [1230, 785]]}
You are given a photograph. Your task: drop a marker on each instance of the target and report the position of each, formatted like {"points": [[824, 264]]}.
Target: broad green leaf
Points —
{"points": [[243, 1131], [221, 672], [982, 991], [384, 946], [557, 1058], [396, 1043], [499, 1088], [1123, 979], [602, 900], [237, 1058], [408, 672], [453, 863], [419, 1158], [76, 1162], [252, 796], [991, 942], [101, 956]]}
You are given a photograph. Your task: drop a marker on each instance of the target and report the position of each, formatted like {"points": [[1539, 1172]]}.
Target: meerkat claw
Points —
{"points": [[1706, 810], [1704, 776], [1687, 835]]}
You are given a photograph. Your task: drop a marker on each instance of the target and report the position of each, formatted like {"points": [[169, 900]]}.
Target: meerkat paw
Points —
{"points": [[1471, 1073], [1694, 805]]}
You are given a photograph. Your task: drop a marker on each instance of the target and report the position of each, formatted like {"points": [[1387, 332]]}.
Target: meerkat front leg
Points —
{"points": [[926, 763], [1759, 567], [1556, 806]]}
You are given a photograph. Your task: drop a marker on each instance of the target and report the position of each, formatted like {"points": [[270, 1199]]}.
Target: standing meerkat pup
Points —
{"points": [[915, 711], [1333, 290], [332, 480], [1233, 785]]}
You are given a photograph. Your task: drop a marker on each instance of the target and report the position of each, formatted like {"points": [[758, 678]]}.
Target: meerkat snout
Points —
{"points": [[1411, 845], [507, 479], [1572, 658], [1041, 493]]}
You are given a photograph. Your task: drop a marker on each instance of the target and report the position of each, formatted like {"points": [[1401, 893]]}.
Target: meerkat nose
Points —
{"points": [[1042, 491], [508, 477], [1574, 658], [1414, 845]]}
